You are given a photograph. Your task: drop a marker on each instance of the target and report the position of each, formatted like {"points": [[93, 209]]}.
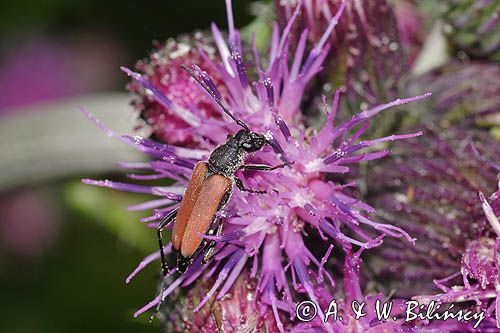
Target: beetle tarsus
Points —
{"points": [[263, 167], [241, 187]]}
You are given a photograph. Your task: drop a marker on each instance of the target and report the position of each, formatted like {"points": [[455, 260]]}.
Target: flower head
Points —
{"points": [[432, 193], [267, 232], [480, 268], [167, 118]]}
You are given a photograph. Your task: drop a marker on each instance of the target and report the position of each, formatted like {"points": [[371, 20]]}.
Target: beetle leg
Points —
{"points": [[211, 245], [164, 222], [263, 167], [241, 187], [183, 263], [164, 269]]}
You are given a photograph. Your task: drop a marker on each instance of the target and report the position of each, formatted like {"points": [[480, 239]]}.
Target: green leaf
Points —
{"points": [[108, 208]]}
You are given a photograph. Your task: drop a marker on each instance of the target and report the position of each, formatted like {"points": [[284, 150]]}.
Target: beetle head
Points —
{"points": [[250, 141]]}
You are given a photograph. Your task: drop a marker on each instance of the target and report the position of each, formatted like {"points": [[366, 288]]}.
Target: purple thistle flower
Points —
{"points": [[266, 232], [239, 311], [480, 268], [432, 193]]}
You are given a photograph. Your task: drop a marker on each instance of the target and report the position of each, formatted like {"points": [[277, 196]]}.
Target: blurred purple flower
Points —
{"points": [[29, 222], [41, 69], [268, 231], [431, 193], [480, 268]]}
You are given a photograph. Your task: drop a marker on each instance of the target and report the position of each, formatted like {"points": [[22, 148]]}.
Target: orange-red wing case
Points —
{"points": [[186, 207], [209, 199]]}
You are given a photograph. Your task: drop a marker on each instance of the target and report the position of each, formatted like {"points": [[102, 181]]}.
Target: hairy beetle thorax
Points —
{"points": [[226, 159]]}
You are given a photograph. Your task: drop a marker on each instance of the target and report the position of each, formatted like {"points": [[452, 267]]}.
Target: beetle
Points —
{"points": [[209, 191]]}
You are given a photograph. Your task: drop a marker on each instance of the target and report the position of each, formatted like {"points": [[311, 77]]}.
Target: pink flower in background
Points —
{"points": [[42, 69], [37, 70], [29, 222]]}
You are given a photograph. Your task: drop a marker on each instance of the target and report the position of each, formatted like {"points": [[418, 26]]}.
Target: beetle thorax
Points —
{"points": [[226, 159]]}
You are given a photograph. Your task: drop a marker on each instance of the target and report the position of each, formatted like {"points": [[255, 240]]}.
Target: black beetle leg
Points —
{"points": [[164, 222], [263, 167], [183, 262], [211, 245], [241, 187]]}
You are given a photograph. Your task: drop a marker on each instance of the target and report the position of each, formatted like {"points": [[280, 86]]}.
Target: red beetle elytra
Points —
{"points": [[208, 192]]}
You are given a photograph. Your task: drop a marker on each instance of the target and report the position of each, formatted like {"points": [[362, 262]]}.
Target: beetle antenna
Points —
{"points": [[216, 99]]}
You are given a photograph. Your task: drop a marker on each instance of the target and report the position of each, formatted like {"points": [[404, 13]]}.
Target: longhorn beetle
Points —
{"points": [[209, 190]]}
